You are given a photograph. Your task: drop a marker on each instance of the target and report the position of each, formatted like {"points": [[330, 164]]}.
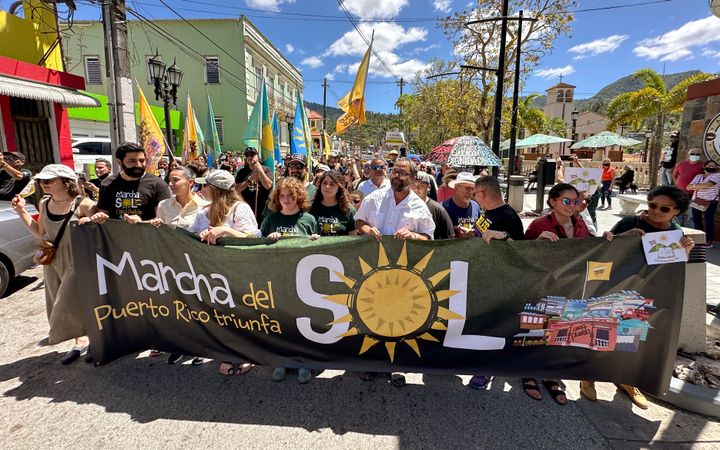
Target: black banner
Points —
{"points": [[574, 309]]}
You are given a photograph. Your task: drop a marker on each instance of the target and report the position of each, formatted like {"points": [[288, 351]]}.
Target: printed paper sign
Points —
{"points": [[584, 180], [664, 247]]}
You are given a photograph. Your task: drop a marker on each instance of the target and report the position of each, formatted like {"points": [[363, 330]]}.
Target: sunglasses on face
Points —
{"points": [[571, 201], [376, 167], [663, 209], [295, 166], [400, 173], [48, 181]]}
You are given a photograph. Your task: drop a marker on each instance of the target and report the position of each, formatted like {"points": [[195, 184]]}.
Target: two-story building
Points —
{"points": [[225, 59]]}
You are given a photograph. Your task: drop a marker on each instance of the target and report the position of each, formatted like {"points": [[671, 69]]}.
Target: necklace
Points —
{"points": [[60, 201]]}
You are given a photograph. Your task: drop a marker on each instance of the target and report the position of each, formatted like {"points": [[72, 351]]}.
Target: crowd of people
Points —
{"points": [[339, 196]]}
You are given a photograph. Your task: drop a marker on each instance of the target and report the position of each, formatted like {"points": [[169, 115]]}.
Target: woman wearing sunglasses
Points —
{"points": [[562, 223], [706, 187], [62, 204], [664, 203]]}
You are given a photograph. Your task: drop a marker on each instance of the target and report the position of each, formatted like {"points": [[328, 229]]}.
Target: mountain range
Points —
{"points": [[596, 103]]}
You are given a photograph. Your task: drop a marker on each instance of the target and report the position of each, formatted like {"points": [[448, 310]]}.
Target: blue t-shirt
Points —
{"points": [[462, 217]]}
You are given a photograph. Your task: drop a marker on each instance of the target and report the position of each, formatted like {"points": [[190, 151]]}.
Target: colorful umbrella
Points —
{"points": [[605, 139], [464, 151]]}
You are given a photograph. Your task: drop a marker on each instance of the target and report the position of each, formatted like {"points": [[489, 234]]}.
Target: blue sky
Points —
{"points": [[673, 36]]}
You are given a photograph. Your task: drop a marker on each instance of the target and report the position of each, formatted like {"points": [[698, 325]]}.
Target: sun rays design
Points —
{"points": [[395, 303]]}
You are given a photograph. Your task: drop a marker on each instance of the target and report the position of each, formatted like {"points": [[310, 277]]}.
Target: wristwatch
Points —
{"points": [[506, 236]]}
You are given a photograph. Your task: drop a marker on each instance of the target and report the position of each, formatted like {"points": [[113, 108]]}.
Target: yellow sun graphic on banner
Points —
{"points": [[394, 303]]}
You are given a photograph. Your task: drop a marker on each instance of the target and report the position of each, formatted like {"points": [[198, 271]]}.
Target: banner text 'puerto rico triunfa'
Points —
{"points": [[353, 303], [353, 104], [150, 135]]}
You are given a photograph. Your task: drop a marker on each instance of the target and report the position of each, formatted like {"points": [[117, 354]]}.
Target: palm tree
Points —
{"points": [[654, 102], [530, 118]]}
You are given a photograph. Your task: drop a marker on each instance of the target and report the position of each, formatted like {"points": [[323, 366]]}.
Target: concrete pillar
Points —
{"points": [[692, 323]]}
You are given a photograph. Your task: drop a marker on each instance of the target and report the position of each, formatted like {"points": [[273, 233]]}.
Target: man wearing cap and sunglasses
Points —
{"points": [[297, 168], [254, 182], [463, 210], [377, 181]]}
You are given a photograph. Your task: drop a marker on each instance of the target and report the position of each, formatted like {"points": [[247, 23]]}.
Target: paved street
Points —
{"points": [[142, 402]]}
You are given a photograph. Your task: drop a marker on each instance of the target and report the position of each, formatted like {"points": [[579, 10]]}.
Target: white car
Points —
{"points": [[17, 245], [87, 150]]}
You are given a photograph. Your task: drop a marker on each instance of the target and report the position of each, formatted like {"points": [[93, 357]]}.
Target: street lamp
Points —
{"points": [[648, 135], [166, 82], [574, 116]]}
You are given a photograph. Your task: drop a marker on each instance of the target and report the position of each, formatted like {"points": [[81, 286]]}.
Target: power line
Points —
{"points": [[340, 2]]}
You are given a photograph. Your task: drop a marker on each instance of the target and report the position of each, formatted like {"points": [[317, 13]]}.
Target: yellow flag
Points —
{"points": [[150, 135], [598, 271], [190, 144], [354, 101], [327, 146]]}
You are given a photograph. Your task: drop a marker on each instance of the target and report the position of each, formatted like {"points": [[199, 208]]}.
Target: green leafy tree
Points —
{"points": [[653, 103], [556, 127], [479, 44]]}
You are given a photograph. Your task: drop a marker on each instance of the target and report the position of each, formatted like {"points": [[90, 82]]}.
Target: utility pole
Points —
{"points": [[497, 122], [324, 103], [120, 93], [401, 83]]}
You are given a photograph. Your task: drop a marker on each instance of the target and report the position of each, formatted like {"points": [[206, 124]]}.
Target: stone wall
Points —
{"points": [[702, 104]]}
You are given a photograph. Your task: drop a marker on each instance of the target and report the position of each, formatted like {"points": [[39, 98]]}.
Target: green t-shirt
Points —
{"points": [[628, 223], [300, 224], [311, 189], [332, 221]]}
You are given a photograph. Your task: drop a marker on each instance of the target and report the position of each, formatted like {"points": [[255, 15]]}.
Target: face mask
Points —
{"points": [[694, 158], [711, 169]]}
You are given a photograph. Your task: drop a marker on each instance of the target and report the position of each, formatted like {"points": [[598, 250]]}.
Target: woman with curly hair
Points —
{"points": [[332, 209], [289, 201]]}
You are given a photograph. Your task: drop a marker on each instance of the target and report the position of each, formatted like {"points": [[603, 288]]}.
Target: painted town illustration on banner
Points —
{"points": [[614, 322]]}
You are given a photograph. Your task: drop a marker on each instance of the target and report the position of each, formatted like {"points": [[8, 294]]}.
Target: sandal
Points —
{"points": [[556, 392], [245, 368], [397, 379], [531, 388], [227, 368]]}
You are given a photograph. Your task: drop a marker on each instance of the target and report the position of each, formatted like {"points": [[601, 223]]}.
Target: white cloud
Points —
{"points": [[388, 38], [419, 50], [710, 53], [289, 48], [677, 44], [375, 9], [330, 76], [597, 46], [442, 5], [267, 5], [312, 61], [555, 72]]}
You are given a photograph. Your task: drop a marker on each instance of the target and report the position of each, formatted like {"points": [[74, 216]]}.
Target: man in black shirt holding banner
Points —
{"points": [[254, 182], [132, 195], [497, 221]]}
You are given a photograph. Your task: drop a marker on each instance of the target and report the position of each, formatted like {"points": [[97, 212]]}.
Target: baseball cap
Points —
{"points": [[298, 157], [393, 152], [221, 179], [250, 151], [423, 177], [56, 171], [463, 178], [322, 168]]}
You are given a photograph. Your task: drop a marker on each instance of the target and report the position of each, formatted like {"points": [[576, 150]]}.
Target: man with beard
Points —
{"points": [[297, 167], [443, 223], [397, 212], [132, 195], [103, 167]]}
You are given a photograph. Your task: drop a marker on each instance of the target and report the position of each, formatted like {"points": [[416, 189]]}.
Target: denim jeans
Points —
{"points": [[707, 218], [666, 178], [605, 192]]}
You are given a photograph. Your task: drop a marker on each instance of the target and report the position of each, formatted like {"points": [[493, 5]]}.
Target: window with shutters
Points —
{"points": [[219, 126], [212, 70], [270, 85], [92, 70]]}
